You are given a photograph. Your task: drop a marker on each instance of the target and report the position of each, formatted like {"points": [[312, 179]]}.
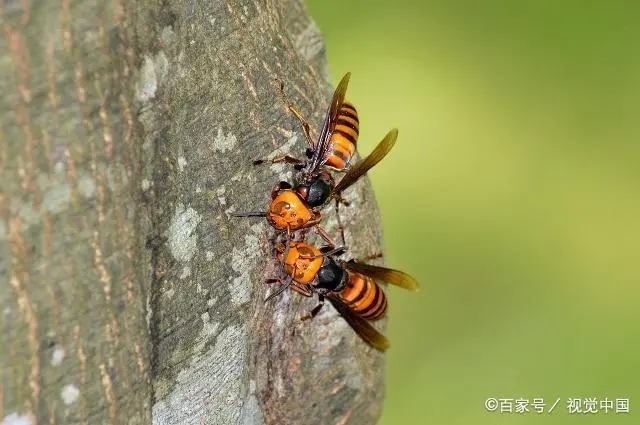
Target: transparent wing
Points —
{"points": [[321, 147], [394, 277], [360, 169], [362, 327]]}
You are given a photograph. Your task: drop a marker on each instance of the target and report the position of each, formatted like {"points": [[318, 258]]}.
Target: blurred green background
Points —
{"points": [[513, 195]]}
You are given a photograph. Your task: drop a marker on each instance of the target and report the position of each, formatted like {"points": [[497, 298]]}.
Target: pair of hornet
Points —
{"points": [[350, 286]]}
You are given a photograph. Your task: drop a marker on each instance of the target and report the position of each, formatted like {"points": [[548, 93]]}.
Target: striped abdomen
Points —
{"points": [[364, 297], [344, 137]]}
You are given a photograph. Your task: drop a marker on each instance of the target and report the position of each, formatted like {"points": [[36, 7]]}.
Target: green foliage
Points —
{"points": [[513, 195]]}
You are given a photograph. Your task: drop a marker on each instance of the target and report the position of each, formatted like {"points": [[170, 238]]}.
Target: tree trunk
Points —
{"points": [[128, 294]]}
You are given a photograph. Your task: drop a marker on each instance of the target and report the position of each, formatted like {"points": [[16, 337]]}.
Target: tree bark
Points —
{"points": [[128, 294]]}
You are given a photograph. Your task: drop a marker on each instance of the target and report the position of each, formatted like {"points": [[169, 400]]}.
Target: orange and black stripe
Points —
{"points": [[364, 297], [344, 137]]}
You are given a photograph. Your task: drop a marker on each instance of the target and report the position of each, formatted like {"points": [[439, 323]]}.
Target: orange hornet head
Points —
{"points": [[287, 210], [299, 263]]}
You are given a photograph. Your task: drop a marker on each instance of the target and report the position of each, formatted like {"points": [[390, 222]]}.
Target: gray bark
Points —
{"points": [[128, 294]]}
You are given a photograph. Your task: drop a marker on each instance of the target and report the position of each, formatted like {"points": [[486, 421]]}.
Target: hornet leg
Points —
{"points": [[340, 227], [327, 251], [313, 313], [369, 257], [341, 200], [324, 235], [300, 289], [284, 158], [280, 290], [298, 115]]}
